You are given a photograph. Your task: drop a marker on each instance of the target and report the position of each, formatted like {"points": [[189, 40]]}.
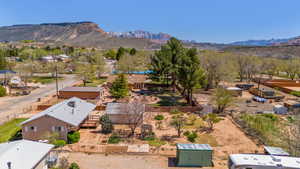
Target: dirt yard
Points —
{"points": [[97, 161]]}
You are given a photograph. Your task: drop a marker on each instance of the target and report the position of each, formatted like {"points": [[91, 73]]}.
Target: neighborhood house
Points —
{"points": [[62, 118], [81, 92], [25, 154]]}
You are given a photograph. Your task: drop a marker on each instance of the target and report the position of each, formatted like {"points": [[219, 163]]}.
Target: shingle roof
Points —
{"points": [[193, 147], [64, 112], [21, 155], [81, 89]]}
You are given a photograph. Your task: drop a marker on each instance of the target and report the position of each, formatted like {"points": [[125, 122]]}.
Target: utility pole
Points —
{"points": [[56, 78]]}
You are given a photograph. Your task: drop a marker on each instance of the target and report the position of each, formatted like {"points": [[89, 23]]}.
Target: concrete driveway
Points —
{"points": [[15, 104]]}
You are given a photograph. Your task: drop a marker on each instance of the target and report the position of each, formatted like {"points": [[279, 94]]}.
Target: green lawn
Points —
{"points": [[95, 82], [10, 129], [43, 79]]}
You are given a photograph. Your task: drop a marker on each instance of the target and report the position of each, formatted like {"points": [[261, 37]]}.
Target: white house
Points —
{"points": [[25, 154]]}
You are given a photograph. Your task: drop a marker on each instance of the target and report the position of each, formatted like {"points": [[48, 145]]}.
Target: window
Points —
{"points": [[33, 128], [58, 128]]}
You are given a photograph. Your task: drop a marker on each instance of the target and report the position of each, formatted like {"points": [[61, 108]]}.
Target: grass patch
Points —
{"points": [[156, 142], [207, 139], [10, 129], [94, 82], [267, 126], [194, 122], [43, 79]]}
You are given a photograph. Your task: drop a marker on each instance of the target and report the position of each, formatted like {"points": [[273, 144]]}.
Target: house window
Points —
{"points": [[58, 128], [33, 128]]}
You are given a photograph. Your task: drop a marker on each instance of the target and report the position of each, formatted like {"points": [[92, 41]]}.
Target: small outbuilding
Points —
{"points": [[194, 155], [125, 113], [81, 92], [279, 109], [235, 91], [276, 151]]}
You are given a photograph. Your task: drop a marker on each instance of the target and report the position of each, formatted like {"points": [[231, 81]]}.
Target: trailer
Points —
{"points": [[256, 161]]}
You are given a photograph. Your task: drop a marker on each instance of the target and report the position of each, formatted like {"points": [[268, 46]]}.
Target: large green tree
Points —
{"points": [[119, 88], [190, 74]]}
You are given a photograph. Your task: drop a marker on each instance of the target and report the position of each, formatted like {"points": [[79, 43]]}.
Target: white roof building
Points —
{"points": [[23, 154], [254, 161]]}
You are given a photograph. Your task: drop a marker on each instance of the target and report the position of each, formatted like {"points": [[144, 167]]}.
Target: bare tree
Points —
{"points": [[134, 113]]}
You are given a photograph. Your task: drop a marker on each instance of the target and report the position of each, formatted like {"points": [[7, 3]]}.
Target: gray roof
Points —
{"points": [[21, 155], [81, 89], [194, 147], [65, 112], [276, 151], [120, 108]]}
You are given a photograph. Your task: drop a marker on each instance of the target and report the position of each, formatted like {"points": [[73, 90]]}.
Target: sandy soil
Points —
{"points": [[97, 161]]}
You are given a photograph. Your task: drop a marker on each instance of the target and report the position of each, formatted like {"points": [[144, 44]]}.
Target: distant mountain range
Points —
{"points": [[260, 42], [140, 34], [89, 34]]}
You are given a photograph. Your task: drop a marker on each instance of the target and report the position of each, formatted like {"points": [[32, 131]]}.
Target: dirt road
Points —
{"points": [[12, 105]]}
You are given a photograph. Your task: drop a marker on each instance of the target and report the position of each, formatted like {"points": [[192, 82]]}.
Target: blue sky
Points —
{"points": [[201, 20]]}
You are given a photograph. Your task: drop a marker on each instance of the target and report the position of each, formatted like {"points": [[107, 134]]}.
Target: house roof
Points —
{"points": [[193, 147], [276, 151], [64, 111], [81, 89], [7, 71], [265, 160], [134, 78], [21, 155], [120, 108]]}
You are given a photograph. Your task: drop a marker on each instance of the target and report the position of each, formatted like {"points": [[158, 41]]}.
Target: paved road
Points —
{"points": [[10, 105]]}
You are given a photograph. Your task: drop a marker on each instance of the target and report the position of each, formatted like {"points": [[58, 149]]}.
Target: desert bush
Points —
{"points": [[106, 124], [159, 117], [192, 137], [2, 91], [73, 137], [114, 139], [186, 133], [74, 166], [59, 143]]}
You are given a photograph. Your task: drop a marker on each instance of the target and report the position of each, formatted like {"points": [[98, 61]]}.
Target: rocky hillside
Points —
{"points": [[78, 34]]}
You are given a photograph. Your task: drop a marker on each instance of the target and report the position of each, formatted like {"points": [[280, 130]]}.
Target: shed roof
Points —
{"points": [[265, 160], [21, 155], [65, 112], [81, 89], [194, 147], [120, 108], [276, 151]]}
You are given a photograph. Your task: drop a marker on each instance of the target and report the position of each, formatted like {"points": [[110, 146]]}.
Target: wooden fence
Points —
{"points": [[150, 108]]}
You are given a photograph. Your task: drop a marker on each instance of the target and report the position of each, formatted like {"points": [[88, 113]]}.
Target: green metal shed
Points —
{"points": [[194, 155]]}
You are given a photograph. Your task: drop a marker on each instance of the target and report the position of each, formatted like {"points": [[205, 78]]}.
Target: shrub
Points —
{"points": [[106, 124], [59, 143], [74, 166], [175, 111], [156, 143], [114, 139], [186, 133], [73, 137], [159, 117], [149, 137], [2, 91], [295, 93], [192, 137]]}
